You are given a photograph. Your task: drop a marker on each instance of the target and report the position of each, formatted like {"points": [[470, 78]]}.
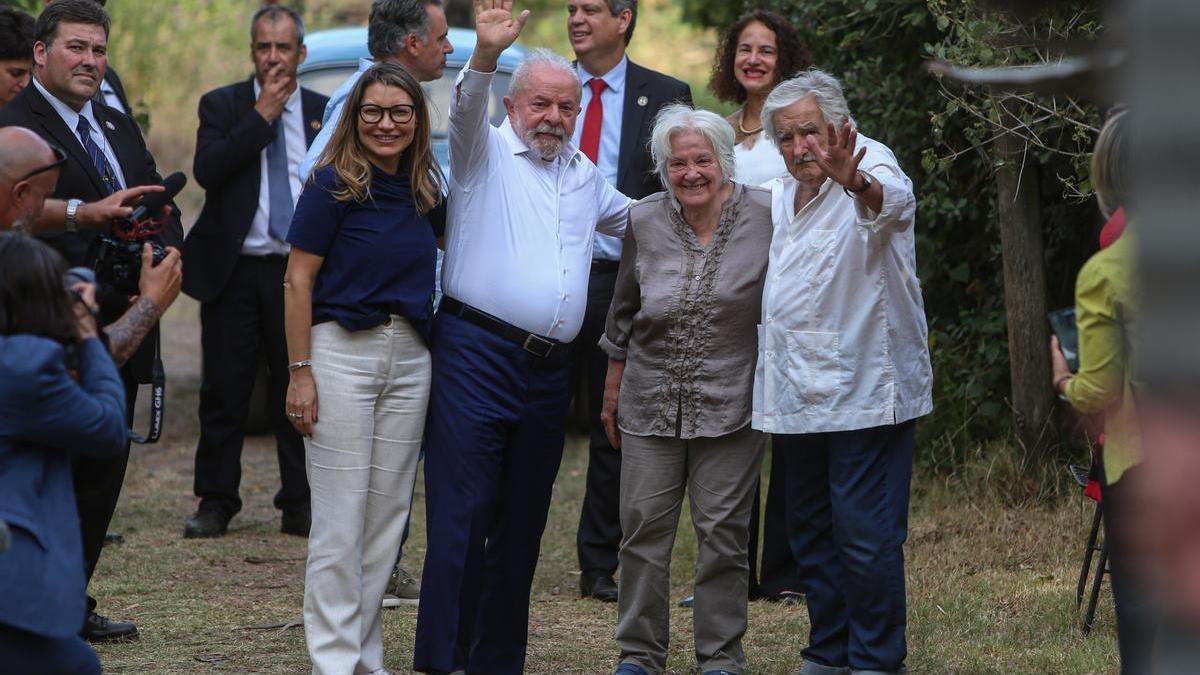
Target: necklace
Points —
{"points": [[744, 130]]}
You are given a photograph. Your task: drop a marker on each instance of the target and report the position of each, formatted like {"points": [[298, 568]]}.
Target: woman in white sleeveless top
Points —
{"points": [[757, 52], [760, 50]]}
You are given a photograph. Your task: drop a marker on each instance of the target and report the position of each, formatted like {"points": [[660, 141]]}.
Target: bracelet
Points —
{"points": [[867, 182], [297, 365], [1059, 383]]}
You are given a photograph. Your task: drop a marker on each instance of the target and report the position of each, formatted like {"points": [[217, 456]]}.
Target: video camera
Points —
{"points": [[117, 260], [117, 257]]}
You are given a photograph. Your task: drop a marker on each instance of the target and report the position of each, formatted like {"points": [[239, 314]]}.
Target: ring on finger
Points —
{"points": [[295, 415]]}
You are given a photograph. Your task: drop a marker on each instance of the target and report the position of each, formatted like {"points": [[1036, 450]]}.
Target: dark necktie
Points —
{"points": [[279, 184], [107, 177], [589, 142]]}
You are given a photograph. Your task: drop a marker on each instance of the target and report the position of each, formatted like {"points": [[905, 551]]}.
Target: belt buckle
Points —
{"points": [[533, 341]]}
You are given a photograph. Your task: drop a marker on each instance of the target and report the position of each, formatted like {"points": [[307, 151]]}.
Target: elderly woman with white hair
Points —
{"points": [[843, 371], [679, 336]]}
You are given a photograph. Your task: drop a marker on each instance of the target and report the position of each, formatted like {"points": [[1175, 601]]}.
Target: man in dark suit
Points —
{"points": [[620, 100], [252, 137], [106, 154]]}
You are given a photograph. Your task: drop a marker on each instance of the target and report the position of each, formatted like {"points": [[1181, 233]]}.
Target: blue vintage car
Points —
{"points": [[333, 56]]}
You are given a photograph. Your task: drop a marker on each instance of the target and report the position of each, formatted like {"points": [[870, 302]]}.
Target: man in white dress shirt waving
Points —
{"points": [[524, 205], [843, 371]]}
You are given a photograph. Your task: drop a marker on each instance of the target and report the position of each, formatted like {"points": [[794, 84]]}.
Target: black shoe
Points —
{"points": [[97, 628], [206, 523], [296, 523], [599, 586]]}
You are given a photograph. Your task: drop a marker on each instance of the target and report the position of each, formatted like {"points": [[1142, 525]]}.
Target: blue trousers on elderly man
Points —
{"points": [[847, 515], [493, 444]]}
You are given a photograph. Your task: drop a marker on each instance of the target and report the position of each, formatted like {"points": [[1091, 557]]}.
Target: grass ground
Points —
{"points": [[990, 587]]}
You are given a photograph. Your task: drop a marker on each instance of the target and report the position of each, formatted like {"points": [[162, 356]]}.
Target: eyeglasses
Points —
{"points": [[60, 158], [372, 114]]}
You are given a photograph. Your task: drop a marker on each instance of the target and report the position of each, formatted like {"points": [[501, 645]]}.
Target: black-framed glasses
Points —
{"points": [[372, 114], [60, 158]]}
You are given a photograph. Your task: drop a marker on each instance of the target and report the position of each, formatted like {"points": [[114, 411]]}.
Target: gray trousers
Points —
{"points": [[718, 475]]}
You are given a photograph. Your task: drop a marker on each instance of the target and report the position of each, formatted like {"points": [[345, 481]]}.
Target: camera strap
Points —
{"points": [[158, 383]]}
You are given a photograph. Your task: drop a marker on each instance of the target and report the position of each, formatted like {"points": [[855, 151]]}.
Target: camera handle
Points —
{"points": [[158, 382]]}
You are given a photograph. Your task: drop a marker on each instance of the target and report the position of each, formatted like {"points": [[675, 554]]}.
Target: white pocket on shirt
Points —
{"points": [[815, 365], [820, 255]]}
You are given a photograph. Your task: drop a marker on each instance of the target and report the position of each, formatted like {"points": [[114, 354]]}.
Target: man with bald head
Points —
{"points": [[524, 206], [28, 173]]}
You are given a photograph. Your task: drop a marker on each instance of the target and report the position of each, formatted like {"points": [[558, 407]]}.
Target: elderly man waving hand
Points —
{"points": [[524, 205], [843, 371]]}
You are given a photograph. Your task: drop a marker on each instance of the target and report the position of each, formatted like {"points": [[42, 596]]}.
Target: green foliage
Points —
{"points": [[942, 135], [31, 6]]}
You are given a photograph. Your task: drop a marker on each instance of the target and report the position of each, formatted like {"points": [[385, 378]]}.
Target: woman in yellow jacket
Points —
{"points": [[1103, 386]]}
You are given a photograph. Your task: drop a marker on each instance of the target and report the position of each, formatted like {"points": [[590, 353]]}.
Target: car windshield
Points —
{"points": [[326, 79]]}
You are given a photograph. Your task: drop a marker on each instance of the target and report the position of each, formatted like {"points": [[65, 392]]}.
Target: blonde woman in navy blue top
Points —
{"points": [[357, 299]]}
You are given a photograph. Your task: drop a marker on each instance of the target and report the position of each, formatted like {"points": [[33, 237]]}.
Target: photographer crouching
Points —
{"points": [[106, 164], [59, 394]]}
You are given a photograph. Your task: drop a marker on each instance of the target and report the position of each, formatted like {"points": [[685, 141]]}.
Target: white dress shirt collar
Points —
{"points": [[613, 79], [69, 115]]}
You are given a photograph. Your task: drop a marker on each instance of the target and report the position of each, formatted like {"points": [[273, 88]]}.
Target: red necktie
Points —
{"points": [[589, 143]]}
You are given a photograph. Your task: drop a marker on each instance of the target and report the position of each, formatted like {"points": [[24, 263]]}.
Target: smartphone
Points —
{"points": [[1062, 323]]}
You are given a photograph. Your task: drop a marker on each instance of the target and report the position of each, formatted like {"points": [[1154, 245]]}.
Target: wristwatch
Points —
{"points": [[72, 209], [867, 181]]}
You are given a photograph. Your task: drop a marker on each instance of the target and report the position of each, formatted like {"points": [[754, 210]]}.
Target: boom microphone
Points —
{"points": [[153, 203]]}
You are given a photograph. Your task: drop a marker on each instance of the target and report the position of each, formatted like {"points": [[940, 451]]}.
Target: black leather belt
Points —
{"points": [[601, 265], [531, 342]]}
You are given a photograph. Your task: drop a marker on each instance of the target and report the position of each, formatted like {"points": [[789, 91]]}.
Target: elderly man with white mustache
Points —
{"points": [[843, 371], [524, 206]]}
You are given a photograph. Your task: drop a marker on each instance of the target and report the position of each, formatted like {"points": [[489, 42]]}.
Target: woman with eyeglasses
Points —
{"points": [[59, 394], [357, 295]]}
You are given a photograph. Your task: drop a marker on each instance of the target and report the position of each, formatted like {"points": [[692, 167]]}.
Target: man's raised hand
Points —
{"points": [[839, 161], [495, 30]]}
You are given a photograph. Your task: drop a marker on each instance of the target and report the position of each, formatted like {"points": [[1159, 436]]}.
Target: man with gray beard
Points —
{"points": [[524, 206]]}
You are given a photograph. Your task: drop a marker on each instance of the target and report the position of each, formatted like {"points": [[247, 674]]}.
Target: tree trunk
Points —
{"points": [[1024, 291]]}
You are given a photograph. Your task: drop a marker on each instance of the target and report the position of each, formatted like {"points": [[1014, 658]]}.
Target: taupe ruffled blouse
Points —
{"points": [[684, 317]]}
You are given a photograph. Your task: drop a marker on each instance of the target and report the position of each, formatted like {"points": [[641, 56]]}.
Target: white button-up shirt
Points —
{"points": [[519, 229], [843, 343], [291, 124]]}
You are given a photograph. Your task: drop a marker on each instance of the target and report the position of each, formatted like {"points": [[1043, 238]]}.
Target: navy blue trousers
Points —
{"points": [[24, 652], [847, 513], [493, 444]]}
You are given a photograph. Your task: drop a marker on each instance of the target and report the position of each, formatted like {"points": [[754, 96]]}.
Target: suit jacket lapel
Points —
{"points": [[244, 97], [313, 110], [243, 104], [631, 118], [66, 138]]}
